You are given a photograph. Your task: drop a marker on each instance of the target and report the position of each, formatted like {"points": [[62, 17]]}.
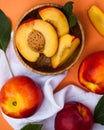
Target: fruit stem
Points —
{"points": [[9, 64]]}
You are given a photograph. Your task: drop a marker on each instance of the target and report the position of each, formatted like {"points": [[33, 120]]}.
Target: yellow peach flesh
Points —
{"points": [[47, 31], [67, 45], [22, 42], [96, 16], [50, 35]]}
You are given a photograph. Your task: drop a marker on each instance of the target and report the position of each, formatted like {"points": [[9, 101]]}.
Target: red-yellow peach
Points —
{"points": [[20, 97], [74, 116], [91, 72]]}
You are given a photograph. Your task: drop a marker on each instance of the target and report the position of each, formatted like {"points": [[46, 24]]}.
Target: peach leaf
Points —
{"points": [[5, 33], [32, 127], [99, 111], [68, 11]]}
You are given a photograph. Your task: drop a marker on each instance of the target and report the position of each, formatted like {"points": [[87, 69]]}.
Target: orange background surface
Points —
{"points": [[14, 9]]}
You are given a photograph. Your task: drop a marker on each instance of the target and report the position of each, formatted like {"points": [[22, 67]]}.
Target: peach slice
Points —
{"points": [[34, 37], [67, 45], [96, 16], [56, 18]]}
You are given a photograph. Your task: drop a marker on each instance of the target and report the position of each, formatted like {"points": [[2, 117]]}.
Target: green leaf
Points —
{"points": [[73, 20], [99, 111], [32, 127], [5, 31], [68, 11]]}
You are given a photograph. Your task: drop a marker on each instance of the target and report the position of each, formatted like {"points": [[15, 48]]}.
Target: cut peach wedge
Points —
{"points": [[56, 18], [67, 45], [34, 37], [96, 16]]}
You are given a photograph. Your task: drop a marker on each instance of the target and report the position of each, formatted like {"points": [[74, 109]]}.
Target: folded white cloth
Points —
{"points": [[52, 102]]}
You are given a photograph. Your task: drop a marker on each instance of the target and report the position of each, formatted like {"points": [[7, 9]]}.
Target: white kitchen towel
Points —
{"points": [[52, 102]]}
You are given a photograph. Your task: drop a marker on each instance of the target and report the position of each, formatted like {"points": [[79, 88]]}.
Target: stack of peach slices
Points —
{"points": [[48, 35]]}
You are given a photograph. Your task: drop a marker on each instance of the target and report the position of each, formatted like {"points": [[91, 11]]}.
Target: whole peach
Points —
{"points": [[74, 116], [91, 72], [20, 97]]}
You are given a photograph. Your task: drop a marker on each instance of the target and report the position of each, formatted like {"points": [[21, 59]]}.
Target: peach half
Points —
{"points": [[56, 18], [34, 37], [67, 45]]}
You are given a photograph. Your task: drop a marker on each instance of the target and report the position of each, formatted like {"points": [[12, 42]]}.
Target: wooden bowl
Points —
{"points": [[43, 65]]}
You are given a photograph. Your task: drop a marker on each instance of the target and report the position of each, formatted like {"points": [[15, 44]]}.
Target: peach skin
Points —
{"points": [[91, 72], [20, 97], [74, 116]]}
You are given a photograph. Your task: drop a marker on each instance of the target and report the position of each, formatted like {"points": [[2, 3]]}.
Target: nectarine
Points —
{"points": [[74, 116], [20, 97], [91, 72]]}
